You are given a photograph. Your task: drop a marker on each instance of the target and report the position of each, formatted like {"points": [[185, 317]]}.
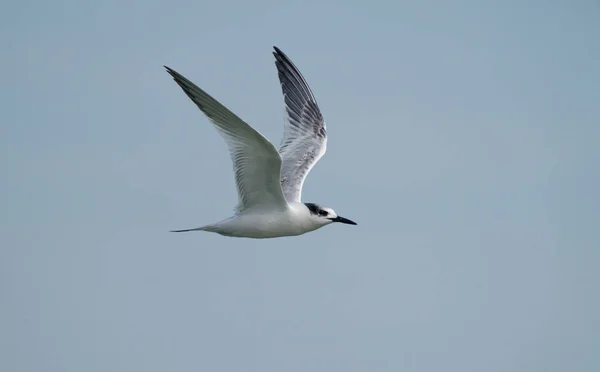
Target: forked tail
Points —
{"points": [[201, 228], [186, 230]]}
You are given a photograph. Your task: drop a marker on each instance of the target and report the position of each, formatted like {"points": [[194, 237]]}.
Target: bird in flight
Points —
{"points": [[269, 182]]}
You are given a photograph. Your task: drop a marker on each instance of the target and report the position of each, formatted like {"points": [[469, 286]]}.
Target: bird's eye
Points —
{"points": [[322, 213]]}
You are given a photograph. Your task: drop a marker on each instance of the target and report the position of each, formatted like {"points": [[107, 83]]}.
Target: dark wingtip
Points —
{"points": [[279, 54], [170, 70], [179, 79]]}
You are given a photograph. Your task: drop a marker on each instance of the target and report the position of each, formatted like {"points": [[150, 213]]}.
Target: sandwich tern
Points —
{"points": [[269, 182]]}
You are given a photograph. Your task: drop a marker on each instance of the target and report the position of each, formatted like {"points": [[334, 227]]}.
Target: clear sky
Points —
{"points": [[463, 138]]}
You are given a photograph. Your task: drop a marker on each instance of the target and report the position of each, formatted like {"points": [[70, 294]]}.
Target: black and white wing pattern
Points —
{"points": [[304, 137]]}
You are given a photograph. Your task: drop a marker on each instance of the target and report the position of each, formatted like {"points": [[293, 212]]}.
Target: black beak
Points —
{"points": [[343, 220]]}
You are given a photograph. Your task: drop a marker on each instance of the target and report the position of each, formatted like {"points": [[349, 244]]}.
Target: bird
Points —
{"points": [[268, 180]]}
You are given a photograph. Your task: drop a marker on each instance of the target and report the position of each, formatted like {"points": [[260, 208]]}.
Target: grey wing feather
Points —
{"points": [[305, 135], [257, 164]]}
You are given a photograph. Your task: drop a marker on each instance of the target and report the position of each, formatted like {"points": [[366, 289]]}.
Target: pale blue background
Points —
{"points": [[464, 140]]}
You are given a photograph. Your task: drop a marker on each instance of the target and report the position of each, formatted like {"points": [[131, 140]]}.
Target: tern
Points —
{"points": [[269, 182]]}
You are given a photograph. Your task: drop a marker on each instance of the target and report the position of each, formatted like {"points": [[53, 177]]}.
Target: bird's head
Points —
{"points": [[324, 216]]}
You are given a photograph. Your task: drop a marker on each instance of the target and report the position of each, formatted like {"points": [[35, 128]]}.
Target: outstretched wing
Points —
{"points": [[256, 162], [305, 136]]}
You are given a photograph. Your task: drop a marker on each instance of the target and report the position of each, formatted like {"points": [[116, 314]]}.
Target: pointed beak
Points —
{"points": [[343, 220]]}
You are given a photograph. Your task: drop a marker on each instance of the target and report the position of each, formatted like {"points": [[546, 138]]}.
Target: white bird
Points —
{"points": [[269, 182]]}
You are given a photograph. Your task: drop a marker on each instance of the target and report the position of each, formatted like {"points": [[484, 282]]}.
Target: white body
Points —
{"points": [[260, 222], [269, 182]]}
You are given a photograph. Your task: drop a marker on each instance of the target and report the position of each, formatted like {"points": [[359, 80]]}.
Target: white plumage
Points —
{"points": [[269, 182]]}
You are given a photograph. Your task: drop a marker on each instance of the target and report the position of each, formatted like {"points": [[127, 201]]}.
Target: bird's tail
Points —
{"points": [[201, 228], [186, 230]]}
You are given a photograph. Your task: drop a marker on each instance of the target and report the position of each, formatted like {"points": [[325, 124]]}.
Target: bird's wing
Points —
{"points": [[305, 136], [256, 162]]}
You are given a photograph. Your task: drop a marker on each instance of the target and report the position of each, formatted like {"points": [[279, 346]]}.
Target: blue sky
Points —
{"points": [[463, 138]]}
